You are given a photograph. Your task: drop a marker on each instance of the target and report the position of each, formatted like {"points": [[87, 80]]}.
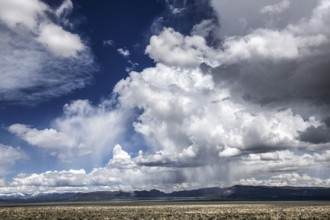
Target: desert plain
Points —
{"points": [[149, 210]]}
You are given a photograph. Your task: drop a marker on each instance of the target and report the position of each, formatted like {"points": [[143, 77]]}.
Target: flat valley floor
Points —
{"points": [[148, 210]]}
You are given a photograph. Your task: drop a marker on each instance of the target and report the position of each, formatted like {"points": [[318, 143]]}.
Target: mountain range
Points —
{"points": [[233, 193]]}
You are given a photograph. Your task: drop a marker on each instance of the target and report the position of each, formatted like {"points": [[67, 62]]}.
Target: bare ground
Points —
{"points": [[171, 211]]}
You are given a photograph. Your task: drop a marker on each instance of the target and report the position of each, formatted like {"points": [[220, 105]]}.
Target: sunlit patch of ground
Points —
{"points": [[276, 210]]}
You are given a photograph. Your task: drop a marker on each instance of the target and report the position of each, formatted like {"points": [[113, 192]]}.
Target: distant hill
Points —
{"points": [[277, 193], [234, 193]]}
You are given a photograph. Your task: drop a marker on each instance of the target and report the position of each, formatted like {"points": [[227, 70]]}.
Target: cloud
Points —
{"points": [[172, 48], [174, 104], [221, 111], [108, 43], [207, 115], [132, 66], [276, 8], [279, 57], [190, 124], [53, 61], [269, 44], [288, 179], [204, 28], [8, 157], [60, 42], [281, 161], [123, 52], [20, 12], [64, 9], [316, 135], [236, 20], [48, 138], [124, 172], [83, 130], [54, 37], [229, 152], [174, 7], [182, 15], [121, 173]]}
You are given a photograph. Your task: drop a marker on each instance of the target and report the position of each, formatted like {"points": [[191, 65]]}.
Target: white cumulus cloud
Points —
{"points": [[43, 138], [59, 41], [124, 172], [172, 48], [19, 12]]}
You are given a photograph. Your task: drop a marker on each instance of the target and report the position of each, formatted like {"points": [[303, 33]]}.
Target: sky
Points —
{"points": [[163, 94]]}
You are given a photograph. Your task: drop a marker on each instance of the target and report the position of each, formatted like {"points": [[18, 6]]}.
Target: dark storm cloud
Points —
{"points": [[262, 148], [266, 81], [317, 135], [274, 79]]}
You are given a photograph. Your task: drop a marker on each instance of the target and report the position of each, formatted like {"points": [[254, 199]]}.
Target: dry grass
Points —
{"points": [[170, 211]]}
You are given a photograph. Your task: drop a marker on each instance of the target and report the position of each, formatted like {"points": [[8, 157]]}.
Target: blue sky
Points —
{"points": [[163, 94]]}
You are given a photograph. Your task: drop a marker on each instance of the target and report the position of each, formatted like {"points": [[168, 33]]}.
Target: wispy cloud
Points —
{"points": [[276, 8], [108, 43], [123, 52], [63, 11], [52, 61], [83, 128], [8, 157]]}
